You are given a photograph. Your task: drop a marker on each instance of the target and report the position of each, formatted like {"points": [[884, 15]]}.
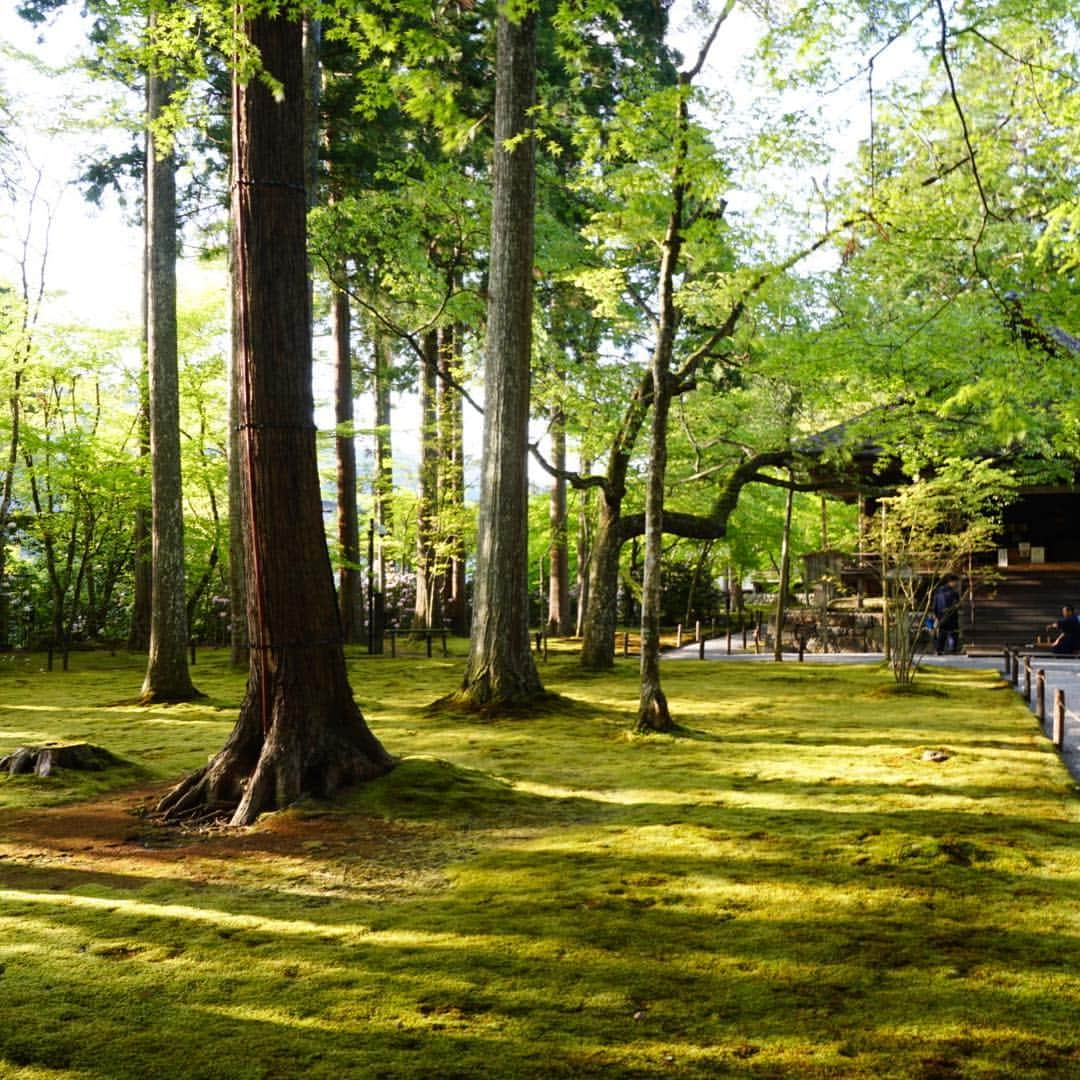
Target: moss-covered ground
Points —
{"points": [[788, 887]]}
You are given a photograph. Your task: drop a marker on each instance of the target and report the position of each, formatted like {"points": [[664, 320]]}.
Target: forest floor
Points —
{"points": [[817, 876]]}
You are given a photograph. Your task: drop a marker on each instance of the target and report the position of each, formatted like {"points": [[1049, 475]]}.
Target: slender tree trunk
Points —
{"points": [[384, 453], [167, 677], [584, 555], [142, 576], [558, 614], [350, 600], [785, 577], [299, 730], [238, 626], [500, 669], [695, 582], [424, 614], [452, 488], [653, 711]]}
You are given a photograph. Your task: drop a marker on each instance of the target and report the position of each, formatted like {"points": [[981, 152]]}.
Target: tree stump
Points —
{"points": [[45, 760]]}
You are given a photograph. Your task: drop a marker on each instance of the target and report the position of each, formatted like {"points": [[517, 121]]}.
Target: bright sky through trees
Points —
{"points": [[93, 255], [60, 115]]}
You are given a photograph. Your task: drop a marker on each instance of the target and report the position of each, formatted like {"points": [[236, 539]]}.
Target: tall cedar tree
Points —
{"points": [[299, 731], [501, 670], [167, 677]]}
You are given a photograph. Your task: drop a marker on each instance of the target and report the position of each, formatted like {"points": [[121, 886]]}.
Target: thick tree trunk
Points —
{"points": [[350, 600], [500, 669], [558, 614], [299, 731], [167, 677]]}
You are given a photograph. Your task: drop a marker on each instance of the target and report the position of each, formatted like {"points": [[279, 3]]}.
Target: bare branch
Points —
{"points": [[574, 479], [689, 76], [943, 51]]}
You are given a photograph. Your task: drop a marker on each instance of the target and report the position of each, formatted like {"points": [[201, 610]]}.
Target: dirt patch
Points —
{"points": [[118, 835]]}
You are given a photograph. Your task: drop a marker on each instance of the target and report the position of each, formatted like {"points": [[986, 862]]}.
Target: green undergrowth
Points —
{"points": [[788, 886]]}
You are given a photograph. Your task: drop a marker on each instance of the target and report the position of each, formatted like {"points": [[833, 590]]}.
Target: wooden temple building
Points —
{"points": [[1018, 586], [1013, 590]]}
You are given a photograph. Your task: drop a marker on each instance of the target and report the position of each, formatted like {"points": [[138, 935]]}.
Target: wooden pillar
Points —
{"points": [[1058, 733]]}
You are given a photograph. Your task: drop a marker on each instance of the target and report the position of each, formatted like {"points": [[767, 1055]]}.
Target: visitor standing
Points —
{"points": [[946, 609]]}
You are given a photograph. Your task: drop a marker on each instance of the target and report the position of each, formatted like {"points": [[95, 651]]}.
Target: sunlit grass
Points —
{"points": [[785, 887]]}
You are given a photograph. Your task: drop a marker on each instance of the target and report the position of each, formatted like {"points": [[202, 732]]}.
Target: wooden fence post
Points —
{"points": [[697, 630], [1027, 679], [678, 636], [1006, 661], [1058, 735], [1040, 696], [1015, 668], [701, 649]]}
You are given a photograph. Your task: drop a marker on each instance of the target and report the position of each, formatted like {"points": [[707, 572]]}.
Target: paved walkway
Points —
{"points": [[1063, 674]]}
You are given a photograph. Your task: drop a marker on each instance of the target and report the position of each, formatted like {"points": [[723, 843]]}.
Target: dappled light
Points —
{"points": [[789, 885]]}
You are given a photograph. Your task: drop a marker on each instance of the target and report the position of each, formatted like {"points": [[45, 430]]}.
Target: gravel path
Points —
{"points": [[1060, 674]]}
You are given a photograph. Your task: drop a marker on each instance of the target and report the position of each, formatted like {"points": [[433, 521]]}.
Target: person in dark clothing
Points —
{"points": [[1067, 629], [946, 608]]}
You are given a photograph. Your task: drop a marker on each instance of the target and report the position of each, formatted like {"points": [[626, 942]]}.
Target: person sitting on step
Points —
{"points": [[1068, 632]]}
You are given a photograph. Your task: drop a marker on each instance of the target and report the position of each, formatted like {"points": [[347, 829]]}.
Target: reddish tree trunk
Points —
{"points": [[299, 731]]}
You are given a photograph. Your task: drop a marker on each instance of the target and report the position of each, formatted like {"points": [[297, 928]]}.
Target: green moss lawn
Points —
{"points": [[788, 888]]}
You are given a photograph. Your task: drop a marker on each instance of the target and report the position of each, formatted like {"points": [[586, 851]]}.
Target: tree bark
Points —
{"points": [[500, 669], [167, 677], [299, 730]]}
